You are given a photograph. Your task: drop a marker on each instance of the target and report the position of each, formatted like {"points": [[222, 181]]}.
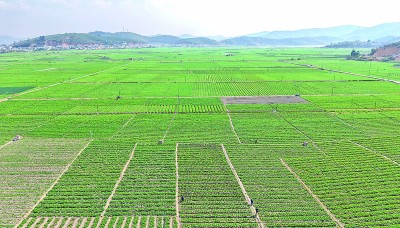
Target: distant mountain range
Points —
{"points": [[9, 40], [377, 36]]}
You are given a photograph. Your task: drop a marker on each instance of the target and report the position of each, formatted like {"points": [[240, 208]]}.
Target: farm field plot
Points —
{"points": [[45, 69], [200, 128], [28, 169], [387, 147], [333, 128], [80, 126], [368, 68], [145, 128], [146, 138], [210, 202], [84, 189], [280, 198], [19, 125], [359, 186], [374, 124], [148, 186], [265, 128], [361, 102]]}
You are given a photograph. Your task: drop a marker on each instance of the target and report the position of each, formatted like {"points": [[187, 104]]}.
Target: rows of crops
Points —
{"points": [[28, 168], [362, 102], [370, 68], [210, 202], [374, 124], [385, 146], [337, 152], [280, 198], [200, 128], [81, 126], [88, 222], [19, 125], [137, 90], [110, 106], [271, 129], [333, 128], [359, 186], [84, 189], [148, 186]]}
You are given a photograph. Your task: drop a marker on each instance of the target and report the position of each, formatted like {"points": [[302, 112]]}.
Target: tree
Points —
{"points": [[355, 53]]}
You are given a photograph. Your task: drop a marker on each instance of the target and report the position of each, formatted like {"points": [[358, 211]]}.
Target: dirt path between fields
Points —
{"points": [[44, 222], [6, 144], [228, 112], [344, 72], [178, 219], [121, 176], [246, 196], [123, 126], [83, 222], [169, 126], [124, 221], [91, 223], [333, 217], [67, 81], [301, 132], [51, 187], [376, 152]]}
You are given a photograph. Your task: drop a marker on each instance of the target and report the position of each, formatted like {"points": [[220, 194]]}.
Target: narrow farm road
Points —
{"points": [[345, 72], [246, 196], [121, 176], [67, 81], [178, 219], [333, 217], [51, 187], [376, 152], [6, 144], [231, 123], [301, 132]]}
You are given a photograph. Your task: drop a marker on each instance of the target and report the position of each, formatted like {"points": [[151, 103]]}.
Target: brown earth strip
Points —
{"points": [[75, 224], [333, 217], [376, 152], [119, 181], [44, 222], [124, 221], [67, 222], [83, 222], [178, 220], [231, 123], [139, 221], [344, 72], [51, 187], [246, 196], [6, 144], [131, 223], [51, 222]]}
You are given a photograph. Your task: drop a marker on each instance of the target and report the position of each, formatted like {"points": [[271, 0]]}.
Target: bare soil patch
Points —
{"points": [[264, 100]]}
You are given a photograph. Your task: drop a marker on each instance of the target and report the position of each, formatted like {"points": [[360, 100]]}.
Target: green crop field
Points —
{"points": [[143, 138]]}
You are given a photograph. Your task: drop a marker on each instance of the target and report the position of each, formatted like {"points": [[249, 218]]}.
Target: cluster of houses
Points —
{"points": [[65, 46]]}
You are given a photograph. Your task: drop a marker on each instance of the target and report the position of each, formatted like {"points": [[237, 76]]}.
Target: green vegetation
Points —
{"points": [[133, 138]]}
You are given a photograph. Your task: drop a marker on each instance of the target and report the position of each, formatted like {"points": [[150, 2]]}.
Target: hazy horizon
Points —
{"points": [[28, 19]]}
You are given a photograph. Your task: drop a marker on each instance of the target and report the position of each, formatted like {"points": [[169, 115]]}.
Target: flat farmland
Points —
{"points": [[175, 137]]}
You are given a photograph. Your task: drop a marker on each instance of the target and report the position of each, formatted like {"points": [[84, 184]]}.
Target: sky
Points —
{"points": [[31, 18]]}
